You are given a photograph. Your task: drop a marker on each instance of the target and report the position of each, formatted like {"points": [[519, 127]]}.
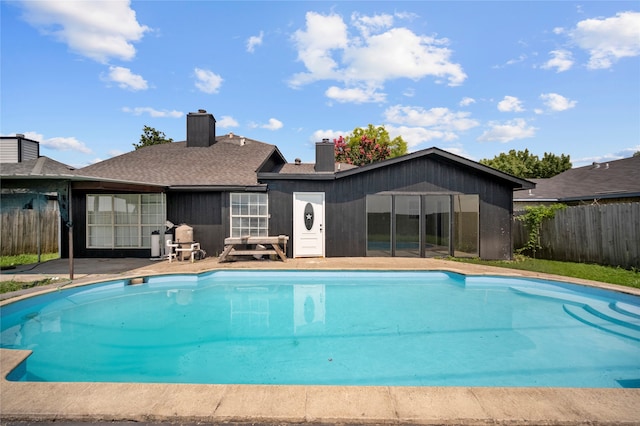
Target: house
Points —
{"points": [[16, 149], [427, 203], [599, 183]]}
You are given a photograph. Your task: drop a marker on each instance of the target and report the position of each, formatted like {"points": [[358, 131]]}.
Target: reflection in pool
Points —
{"points": [[334, 328]]}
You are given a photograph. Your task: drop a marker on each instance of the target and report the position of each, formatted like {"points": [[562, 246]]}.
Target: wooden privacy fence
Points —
{"points": [[19, 231], [606, 234]]}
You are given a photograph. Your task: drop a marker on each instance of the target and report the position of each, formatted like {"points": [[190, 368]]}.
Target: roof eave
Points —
{"points": [[297, 176], [218, 188]]}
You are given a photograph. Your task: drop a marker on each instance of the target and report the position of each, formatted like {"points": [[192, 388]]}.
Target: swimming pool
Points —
{"points": [[335, 328]]}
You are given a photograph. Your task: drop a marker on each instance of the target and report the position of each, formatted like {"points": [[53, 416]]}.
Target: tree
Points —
{"points": [[525, 165], [151, 136], [368, 145], [636, 154]]}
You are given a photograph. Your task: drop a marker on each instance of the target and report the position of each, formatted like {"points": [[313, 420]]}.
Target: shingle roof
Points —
{"points": [[42, 166], [232, 160], [619, 178], [309, 168]]}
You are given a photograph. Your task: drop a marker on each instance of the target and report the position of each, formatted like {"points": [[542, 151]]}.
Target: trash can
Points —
{"points": [[155, 244]]}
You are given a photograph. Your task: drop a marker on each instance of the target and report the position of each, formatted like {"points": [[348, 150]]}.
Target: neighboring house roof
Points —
{"points": [[305, 171], [231, 161], [613, 179], [38, 167]]}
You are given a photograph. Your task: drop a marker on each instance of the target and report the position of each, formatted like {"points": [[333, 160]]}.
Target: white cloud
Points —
{"points": [[466, 101], [624, 153], [556, 102], [415, 136], [254, 41], [99, 30], [226, 121], [355, 95], [59, 143], [66, 144], [153, 112], [322, 35], [608, 39], [406, 55], [319, 135], [409, 92], [417, 125], [328, 52], [459, 151], [517, 60], [561, 60], [510, 104], [436, 118], [207, 81], [368, 24], [273, 124], [507, 131], [126, 79]]}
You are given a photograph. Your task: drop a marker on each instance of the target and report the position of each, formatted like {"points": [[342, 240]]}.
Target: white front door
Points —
{"points": [[308, 224]]}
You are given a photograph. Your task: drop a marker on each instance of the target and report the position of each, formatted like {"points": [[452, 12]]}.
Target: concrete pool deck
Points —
{"points": [[92, 402]]}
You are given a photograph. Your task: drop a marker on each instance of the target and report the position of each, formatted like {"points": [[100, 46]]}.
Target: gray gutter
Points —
{"points": [[218, 188], [602, 196], [76, 178], [298, 176]]}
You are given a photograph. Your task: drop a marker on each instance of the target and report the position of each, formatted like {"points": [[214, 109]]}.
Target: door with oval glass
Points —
{"points": [[308, 224]]}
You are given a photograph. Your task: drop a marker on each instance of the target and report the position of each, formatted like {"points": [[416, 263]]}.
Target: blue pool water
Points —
{"points": [[335, 328]]}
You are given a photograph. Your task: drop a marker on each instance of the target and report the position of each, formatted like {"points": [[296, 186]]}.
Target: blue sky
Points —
{"points": [[474, 78]]}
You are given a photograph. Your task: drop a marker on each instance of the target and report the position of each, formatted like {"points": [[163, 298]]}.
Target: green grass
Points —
{"points": [[7, 286], [7, 262], [605, 274]]}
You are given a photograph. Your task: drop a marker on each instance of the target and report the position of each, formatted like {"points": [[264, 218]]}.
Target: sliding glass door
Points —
{"points": [[379, 225], [407, 225], [437, 225], [423, 225], [466, 222]]}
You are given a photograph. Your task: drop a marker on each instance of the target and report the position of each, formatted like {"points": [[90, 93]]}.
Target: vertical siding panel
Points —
{"points": [[346, 202]]}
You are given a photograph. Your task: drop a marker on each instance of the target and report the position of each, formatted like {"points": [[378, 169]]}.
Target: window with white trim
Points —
{"points": [[249, 214], [124, 220]]}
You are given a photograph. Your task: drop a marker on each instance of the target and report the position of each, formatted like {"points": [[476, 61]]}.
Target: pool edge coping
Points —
{"points": [[317, 404]]}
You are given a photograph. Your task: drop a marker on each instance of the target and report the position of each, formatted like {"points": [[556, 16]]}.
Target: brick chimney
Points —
{"points": [[201, 129], [325, 156]]}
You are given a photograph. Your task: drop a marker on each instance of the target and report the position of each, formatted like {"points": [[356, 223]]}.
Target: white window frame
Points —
{"points": [[148, 214], [248, 214]]}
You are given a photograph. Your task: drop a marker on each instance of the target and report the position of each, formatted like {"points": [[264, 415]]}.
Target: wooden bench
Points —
{"points": [[278, 246]]}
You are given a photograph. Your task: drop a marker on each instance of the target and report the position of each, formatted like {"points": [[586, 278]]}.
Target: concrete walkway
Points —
{"points": [[179, 403]]}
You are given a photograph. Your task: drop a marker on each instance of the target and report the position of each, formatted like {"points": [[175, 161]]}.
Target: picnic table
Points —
{"points": [[238, 246]]}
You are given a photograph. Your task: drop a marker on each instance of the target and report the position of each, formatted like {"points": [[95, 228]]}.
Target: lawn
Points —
{"points": [[7, 262], [605, 274]]}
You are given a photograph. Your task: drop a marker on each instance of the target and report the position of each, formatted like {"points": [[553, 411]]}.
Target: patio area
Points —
{"points": [[93, 402]]}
